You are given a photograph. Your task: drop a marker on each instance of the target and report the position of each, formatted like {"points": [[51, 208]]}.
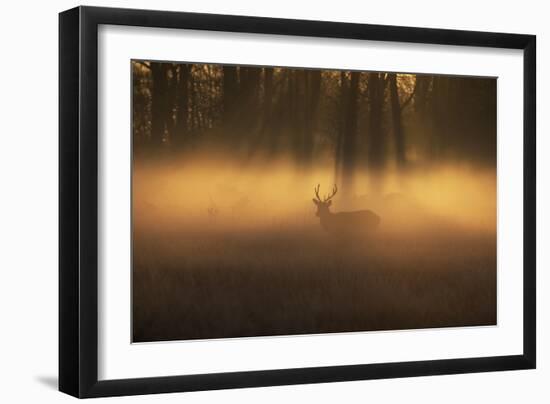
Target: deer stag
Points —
{"points": [[342, 223]]}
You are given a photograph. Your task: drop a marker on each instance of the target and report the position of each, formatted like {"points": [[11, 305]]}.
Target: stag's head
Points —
{"points": [[323, 203]]}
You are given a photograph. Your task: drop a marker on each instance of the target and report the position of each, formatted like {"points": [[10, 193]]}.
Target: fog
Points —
{"points": [[216, 194], [223, 249]]}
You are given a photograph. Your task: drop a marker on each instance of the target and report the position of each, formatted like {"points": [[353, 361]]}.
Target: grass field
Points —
{"points": [[219, 284]]}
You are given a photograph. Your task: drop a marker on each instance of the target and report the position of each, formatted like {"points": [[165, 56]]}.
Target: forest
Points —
{"points": [[367, 121], [279, 200]]}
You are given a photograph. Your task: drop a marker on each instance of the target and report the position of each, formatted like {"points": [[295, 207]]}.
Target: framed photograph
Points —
{"points": [[252, 202]]}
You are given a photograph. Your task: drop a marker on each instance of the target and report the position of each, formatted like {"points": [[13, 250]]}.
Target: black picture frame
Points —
{"points": [[78, 201]]}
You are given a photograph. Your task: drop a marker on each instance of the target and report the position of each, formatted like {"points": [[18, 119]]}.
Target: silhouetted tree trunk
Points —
{"points": [[440, 104], [292, 112], [182, 110], [341, 127], [422, 87], [230, 89], [376, 142], [299, 131], [159, 102], [210, 118], [350, 130], [194, 118], [248, 99], [312, 82], [266, 124], [396, 122], [141, 117], [172, 91], [268, 97]]}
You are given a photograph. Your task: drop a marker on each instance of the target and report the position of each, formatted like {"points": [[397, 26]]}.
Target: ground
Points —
{"points": [[299, 280]]}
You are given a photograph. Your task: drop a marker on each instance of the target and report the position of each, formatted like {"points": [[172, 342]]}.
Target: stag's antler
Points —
{"points": [[317, 192], [327, 197]]}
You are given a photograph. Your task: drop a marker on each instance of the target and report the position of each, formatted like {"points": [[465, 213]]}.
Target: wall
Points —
{"points": [[28, 218]]}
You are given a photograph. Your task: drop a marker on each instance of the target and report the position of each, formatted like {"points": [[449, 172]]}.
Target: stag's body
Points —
{"points": [[361, 221], [344, 223]]}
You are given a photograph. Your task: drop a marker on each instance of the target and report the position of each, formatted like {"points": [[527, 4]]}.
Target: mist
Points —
{"points": [[227, 195], [226, 249]]}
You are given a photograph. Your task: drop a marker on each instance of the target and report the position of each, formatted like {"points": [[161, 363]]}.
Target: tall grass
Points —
{"points": [[227, 285]]}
